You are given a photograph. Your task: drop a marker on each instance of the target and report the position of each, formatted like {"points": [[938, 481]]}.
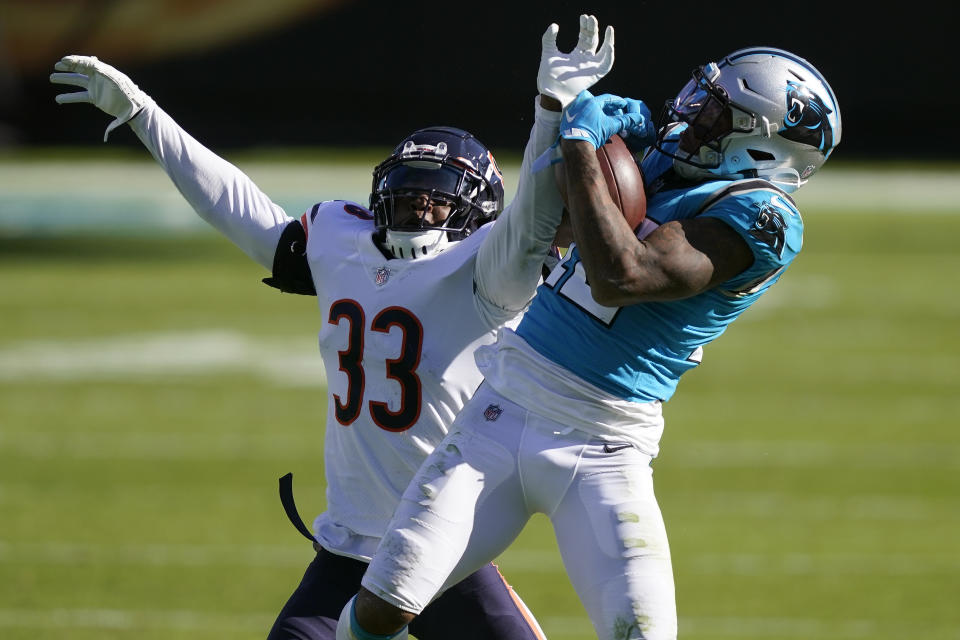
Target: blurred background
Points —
{"points": [[152, 390], [346, 72]]}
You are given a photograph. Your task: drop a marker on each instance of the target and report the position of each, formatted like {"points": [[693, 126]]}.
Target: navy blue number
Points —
{"points": [[402, 368], [351, 359]]}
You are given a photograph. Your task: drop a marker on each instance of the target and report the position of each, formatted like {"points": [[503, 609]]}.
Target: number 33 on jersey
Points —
{"points": [[397, 344]]}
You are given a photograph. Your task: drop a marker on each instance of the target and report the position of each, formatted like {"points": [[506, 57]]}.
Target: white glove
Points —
{"points": [[104, 87], [564, 75]]}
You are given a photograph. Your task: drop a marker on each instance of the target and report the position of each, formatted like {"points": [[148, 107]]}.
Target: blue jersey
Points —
{"points": [[638, 352]]}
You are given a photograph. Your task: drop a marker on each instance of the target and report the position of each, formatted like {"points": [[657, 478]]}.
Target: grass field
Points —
{"points": [[152, 392]]}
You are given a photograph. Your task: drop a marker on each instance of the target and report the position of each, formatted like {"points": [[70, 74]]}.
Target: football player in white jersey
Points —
{"points": [[407, 288], [569, 417]]}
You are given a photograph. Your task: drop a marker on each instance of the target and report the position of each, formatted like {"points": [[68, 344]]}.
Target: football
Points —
{"points": [[624, 180]]}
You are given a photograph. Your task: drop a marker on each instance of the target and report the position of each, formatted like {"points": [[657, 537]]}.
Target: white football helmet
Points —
{"points": [[759, 112]]}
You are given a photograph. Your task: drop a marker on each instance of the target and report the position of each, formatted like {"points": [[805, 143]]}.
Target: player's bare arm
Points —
{"points": [[677, 260]]}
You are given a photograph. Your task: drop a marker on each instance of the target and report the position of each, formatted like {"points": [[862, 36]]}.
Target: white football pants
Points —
{"points": [[499, 465]]}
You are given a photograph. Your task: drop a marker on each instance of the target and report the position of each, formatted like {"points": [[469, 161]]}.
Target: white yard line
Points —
{"points": [[540, 561], [131, 196], [881, 564], [127, 619], [31, 443], [883, 190], [156, 555], [751, 453], [210, 352], [759, 627], [28, 443]]}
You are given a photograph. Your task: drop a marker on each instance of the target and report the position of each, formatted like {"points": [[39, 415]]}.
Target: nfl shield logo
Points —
{"points": [[492, 412], [382, 275]]}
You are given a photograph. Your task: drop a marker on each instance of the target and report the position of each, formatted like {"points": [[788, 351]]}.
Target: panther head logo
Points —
{"points": [[770, 227], [806, 120]]}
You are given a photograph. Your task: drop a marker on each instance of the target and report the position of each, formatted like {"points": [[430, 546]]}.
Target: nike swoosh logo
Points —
{"points": [[569, 116], [617, 447]]}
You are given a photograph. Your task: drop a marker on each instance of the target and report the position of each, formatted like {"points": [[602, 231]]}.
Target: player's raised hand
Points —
{"points": [[597, 118], [564, 75], [103, 86]]}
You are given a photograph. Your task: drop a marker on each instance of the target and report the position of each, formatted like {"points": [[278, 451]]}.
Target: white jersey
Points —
{"points": [[397, 344], [397, 336]]}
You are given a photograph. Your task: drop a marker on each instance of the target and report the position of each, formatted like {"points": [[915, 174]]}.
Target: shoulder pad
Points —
{"points": [[291, 271], [743, 186], [332, 207]]}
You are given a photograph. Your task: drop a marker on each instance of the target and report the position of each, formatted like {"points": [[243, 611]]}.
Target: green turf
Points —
{"points": [[809, 477]]}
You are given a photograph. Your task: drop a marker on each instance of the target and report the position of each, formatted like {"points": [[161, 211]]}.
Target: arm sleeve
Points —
{"points": [[218, 191], [510, 260]]}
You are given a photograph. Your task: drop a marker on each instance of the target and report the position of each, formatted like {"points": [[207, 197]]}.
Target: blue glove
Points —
{"points": [[642, 134], [597, 118]]}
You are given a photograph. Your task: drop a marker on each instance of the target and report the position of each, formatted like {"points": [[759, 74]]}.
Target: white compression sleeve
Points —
{"points": [[218, 191], [510, 259]]}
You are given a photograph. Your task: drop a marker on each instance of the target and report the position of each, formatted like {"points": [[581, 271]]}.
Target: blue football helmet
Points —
{"points": [[450, 167], [759, 112]]}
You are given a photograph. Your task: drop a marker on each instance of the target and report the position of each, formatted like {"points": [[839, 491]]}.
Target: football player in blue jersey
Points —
{"points": [[407, 289], [569, 417]]}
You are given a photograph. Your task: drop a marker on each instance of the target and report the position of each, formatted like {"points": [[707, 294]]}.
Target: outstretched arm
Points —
{"points": [[218, 191], [509, 262]]}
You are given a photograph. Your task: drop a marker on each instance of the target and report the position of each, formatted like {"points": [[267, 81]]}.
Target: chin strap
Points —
{"points": [[787, 178], [410, 245], [286, 498]]}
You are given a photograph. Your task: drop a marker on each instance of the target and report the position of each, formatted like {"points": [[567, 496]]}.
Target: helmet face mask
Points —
{"points": [[760, 112], [707, 110], [444, 169]]}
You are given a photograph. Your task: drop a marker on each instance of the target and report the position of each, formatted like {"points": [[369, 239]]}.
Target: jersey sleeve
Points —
{"points": [[219, 192], [509, 261], [771, 225]]}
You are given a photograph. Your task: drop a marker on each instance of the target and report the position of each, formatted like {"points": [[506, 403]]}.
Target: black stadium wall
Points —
{"points": [[360, 73]]}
